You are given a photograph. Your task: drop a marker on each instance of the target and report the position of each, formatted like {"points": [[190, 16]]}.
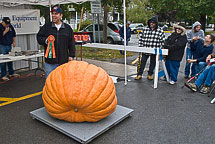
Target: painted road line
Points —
{"points": [[12, 100], [7, 99]]}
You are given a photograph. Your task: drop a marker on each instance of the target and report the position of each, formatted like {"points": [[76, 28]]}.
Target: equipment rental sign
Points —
{"points": [[25, 21]]}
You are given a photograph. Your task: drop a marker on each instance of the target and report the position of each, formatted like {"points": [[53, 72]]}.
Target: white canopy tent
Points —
{"points": [[48, 3], [39, 2]]}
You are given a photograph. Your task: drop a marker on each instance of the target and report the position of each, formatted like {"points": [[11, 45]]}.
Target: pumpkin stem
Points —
{"points": [[75, 110]]}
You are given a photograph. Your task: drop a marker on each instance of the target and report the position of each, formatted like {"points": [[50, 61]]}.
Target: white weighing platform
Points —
{"points": [[82, 132]]}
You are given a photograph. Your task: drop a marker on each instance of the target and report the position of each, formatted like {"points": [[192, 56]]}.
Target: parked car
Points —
{"points": [[136, 26], [118, 24], [188, 26], [112, 32], [164, 27], [210, 26]]}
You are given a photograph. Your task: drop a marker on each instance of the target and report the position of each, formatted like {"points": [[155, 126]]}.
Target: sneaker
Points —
{"points": [[149, 77], [5, 78], [163, 78], [191, 86], [138, 77], [205, 89], [172, 82], [14, 75]]}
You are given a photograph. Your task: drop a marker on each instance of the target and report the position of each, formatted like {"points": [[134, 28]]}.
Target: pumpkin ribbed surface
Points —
{"points": [[78, 92]]}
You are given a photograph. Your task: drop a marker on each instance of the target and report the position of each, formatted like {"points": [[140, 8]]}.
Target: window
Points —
{"points": [[90, 28], [112, 26]]}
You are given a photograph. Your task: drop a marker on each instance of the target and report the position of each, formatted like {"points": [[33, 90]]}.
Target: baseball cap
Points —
{"points": [[57, 9], [6, 20]]}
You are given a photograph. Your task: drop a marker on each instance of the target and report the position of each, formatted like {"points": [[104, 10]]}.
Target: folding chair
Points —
{"points": [[212, 89]]}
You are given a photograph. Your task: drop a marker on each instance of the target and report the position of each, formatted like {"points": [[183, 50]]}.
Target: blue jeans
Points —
{"points": [[6, 50], [190, 55], [172, 68], [199, 66], [49, 68], [206, 77], [122, 41]]}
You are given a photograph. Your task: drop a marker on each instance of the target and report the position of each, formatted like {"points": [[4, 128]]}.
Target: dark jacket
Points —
{"points": [[64, 42], [128, 33], [176, 43], [7, 39], [202, 51]]}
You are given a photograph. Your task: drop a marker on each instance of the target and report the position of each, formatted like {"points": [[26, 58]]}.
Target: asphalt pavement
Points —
{"points": [[166, 115]]}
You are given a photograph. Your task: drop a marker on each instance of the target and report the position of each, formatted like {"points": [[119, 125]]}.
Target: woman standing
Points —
{"points": [[175, 43]]}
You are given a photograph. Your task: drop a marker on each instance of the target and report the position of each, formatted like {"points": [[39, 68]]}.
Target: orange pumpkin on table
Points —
{"points": [[78, 92]]}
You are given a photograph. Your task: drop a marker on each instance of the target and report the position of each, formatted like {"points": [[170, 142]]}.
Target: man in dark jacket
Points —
{"points": [[58, 41], [203, 48], [175, 43], [7, 40], [128, 35], [151, 37]]}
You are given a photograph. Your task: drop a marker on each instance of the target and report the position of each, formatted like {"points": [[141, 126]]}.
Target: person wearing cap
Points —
{"points": [[58, 41], [7, 40], [151, 37], [192, 36], [175, 44], [128, 34]]}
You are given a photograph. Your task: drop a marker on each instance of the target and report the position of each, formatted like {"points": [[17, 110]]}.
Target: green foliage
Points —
{"points": [[66, 12], [100, 54], [182, 10], [117, 5], [139, 12], [75, 30], [85, 23], [78, 7]]}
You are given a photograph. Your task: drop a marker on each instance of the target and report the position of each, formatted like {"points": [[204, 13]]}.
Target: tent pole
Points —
{"points": [[124, 8], [50, 8]]}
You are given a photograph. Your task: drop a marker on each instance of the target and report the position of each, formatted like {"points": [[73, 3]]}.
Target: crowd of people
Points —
{"points": [[58, 41], [198, 53]]}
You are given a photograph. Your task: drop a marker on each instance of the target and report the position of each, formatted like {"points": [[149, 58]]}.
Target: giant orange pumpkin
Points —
{"points": [[78, 92]]}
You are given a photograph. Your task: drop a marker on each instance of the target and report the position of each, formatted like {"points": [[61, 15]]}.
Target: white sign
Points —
{"points": [[96, 7], [25, 21]]}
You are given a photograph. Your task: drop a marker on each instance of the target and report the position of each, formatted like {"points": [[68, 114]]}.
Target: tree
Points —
{"points": [[105, 21], [44, 11], [184, 10], [106, 4], [139, 12]]}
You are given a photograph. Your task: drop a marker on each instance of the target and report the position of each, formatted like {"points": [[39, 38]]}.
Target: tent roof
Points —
{"points": [[40, 2]]}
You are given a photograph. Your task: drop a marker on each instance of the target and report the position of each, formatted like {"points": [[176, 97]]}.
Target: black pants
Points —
{"points": [[143, 63]]}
